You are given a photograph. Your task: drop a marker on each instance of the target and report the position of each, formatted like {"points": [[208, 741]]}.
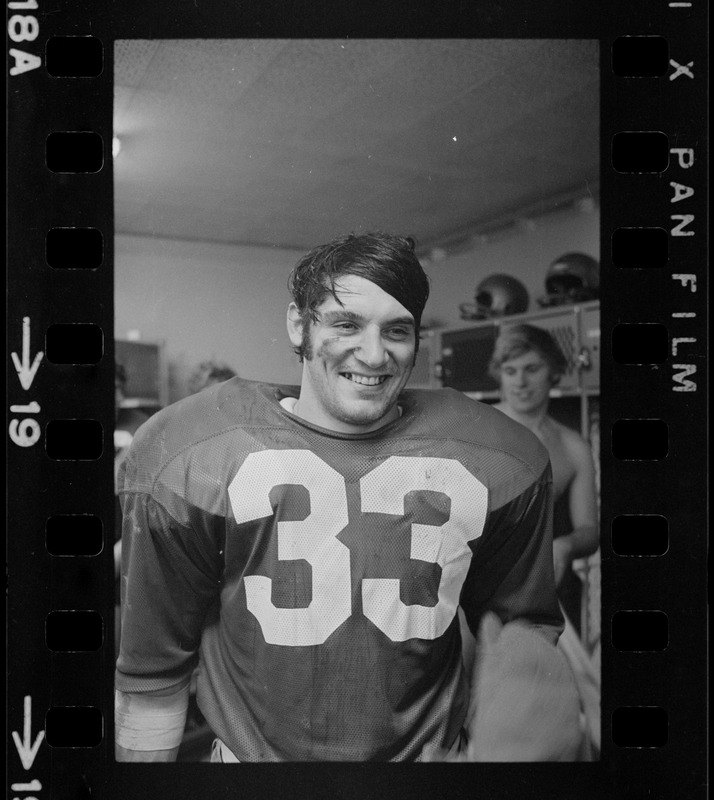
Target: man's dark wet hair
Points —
{"points": [[388, 261], [516, 340]]}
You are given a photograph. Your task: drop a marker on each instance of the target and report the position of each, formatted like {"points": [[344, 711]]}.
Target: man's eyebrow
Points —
{"points": [[401, 321], [337, 314], [340, 313]]}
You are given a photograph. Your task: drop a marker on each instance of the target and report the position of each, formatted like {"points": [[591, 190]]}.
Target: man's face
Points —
{"points": [[361, 354], [526, 382]]}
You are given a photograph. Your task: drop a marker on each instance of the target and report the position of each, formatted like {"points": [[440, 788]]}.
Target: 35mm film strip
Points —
{"points": [[653, 406]]}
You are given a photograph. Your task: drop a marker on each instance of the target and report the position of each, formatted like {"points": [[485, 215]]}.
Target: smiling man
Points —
{"points": [[355, 338], [307, 550], [351, 388]]}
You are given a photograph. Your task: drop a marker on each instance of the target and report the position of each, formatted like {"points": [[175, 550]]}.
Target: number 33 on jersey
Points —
{"points": [[314, 539]]}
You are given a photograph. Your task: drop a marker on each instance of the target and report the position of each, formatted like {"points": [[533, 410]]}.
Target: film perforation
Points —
{"points": [[640, 56], [74, 535], [74, 726], [74, 439], [74, 152], [640, 248], [639, 535], [74, 248], [74, 56], [76, 343], [640, 152], [640, 343], [640, 439], [74, 631], [640, 630], [640, 726]]}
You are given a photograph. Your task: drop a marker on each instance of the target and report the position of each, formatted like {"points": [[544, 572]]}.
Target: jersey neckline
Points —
{"points": [[281, 393]]}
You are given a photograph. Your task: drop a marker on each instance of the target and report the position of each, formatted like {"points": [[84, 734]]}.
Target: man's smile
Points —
{"points": [[365, 380]]}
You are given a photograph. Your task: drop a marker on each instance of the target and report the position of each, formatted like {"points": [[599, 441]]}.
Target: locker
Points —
{"points": [[147, 374]]}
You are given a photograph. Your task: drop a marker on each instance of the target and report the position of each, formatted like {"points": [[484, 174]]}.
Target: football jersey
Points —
{"points": [[314, 576]]}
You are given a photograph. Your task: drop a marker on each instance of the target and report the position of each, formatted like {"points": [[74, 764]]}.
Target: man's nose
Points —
{"points": [[371, 350]]}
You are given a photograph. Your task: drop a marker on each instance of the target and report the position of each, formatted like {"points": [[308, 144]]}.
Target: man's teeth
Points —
{"points": [[364, 380]]}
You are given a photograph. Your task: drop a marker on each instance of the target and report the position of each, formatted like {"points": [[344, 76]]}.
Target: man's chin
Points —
{"points": [[367, 415]]}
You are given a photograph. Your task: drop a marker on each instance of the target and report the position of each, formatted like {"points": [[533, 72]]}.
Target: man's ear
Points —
{"points": [[295, 324]]}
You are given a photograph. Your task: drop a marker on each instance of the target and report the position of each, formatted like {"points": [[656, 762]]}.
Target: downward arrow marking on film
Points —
{"points": [[25, 370], [26, 750]]}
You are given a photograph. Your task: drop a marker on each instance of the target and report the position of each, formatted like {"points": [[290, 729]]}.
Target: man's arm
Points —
{"points": [[584, 539], [512, 568], [166, 589], [148, 756], [149, 726]]}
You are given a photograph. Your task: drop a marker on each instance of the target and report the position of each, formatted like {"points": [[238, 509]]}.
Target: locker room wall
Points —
{"points": [[208, 300], [524, 254]]}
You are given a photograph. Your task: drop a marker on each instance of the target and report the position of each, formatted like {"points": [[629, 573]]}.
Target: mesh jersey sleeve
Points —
{"points": [[171, 578], [512, 569]]}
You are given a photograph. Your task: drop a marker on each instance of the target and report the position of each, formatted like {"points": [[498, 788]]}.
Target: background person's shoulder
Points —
{"points": [[452, 414]]}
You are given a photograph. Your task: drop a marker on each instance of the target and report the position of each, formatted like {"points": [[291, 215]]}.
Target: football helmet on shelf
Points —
{"points": [[572, 278], [497, 295]]}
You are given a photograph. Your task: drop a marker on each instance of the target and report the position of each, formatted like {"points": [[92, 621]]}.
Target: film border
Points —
{"points": [[675, 487]]}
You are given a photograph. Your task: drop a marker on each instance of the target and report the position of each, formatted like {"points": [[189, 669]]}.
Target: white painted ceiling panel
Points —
{"points": [[285, 142]]}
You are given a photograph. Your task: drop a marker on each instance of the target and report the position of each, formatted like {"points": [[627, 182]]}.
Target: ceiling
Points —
{"points": [[289, 142]]}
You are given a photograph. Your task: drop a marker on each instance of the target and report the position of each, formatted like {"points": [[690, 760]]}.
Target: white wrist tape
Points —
{"points": [[150, 722]]}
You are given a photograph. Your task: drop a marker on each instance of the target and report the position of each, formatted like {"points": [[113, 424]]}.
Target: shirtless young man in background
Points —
{"points": [[527, 362]]}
